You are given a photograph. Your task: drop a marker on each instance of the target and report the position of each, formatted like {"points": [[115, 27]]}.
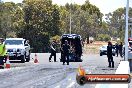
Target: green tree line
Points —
{"points": [[39, 21]]}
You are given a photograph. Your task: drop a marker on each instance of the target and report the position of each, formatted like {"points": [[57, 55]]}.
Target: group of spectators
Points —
{"points": [[67, 49], [119, 49], [66, 52]]}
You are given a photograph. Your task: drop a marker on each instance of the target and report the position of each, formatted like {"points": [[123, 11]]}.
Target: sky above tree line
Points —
{"points": [[105, 6]]}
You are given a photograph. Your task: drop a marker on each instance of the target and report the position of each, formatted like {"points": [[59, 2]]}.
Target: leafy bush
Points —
{"points": [[55, 38], [103, 37]]}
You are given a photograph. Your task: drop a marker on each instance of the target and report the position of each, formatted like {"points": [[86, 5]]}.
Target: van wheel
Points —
{"points": [[100, 54]]}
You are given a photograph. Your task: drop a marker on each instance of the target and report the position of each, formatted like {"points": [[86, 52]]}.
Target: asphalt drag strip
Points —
{"points": [[70, 82], [36, 76]]}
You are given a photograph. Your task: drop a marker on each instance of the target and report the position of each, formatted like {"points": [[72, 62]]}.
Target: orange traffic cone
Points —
{"points": [[7, 63], [35, 60]]}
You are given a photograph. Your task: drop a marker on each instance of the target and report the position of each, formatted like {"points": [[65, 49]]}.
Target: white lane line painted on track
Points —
{"points": [[11, 69], [57, 86], [71, 84]]}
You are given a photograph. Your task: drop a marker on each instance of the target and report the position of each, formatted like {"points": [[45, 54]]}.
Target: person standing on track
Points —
{"points": [[117, 49], [66, 51], [2, 54], [120, 49], [109, 55], [53, 51]]}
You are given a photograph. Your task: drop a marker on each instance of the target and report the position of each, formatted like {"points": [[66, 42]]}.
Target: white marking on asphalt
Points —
{"points": [[4, 70], [57, 86], [71, 85], [69, 79]]}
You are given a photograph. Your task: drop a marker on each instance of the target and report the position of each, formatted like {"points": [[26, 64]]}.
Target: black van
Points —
{"points": [[75, 43]]}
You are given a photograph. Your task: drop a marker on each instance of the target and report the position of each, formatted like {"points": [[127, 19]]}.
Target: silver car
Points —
{"points": [[103, 50]]}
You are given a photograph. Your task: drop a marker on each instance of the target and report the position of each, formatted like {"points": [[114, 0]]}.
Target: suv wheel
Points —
{"points": [[100, 54], [22, 58], [28, 58]]}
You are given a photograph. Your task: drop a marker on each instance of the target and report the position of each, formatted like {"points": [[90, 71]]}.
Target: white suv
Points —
{"points": [[18, 49]]}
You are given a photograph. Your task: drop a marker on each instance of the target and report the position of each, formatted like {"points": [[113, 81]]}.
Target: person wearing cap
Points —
{"points": [[2, 54], [109, 55], [53, 51], [66, 51]]}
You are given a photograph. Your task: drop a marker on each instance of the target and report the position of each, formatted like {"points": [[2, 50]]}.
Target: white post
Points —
{"points": [[126, 33]]}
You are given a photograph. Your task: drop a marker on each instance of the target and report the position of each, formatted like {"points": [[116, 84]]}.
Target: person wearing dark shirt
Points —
{"points": [[117, 49], [53, 51], [120, 49], [109, 55], [65, 50]]}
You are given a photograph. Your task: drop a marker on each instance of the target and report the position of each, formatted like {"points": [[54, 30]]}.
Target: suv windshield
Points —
{"points": [[13, 42]]}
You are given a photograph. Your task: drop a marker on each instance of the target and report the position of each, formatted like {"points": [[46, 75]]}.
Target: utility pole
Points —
{"points": [[126, 32], [70, 22], [70, 19]]}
